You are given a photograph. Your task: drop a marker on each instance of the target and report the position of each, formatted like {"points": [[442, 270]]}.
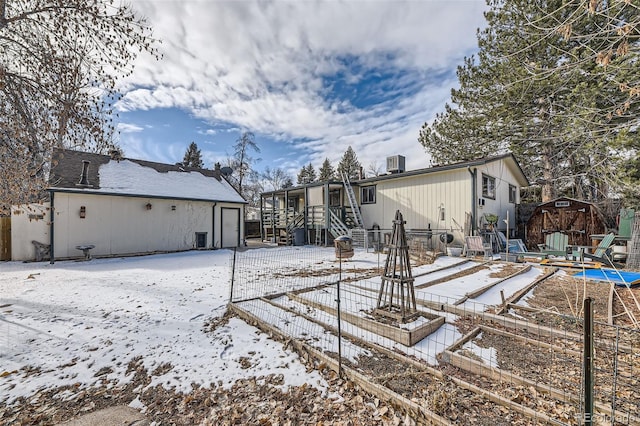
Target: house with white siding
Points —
{"points": [[443, 199], [120, 206]]}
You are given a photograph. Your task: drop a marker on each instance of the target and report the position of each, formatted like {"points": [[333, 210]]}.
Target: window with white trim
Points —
{"points": [[513, 194], [368, 195], [488, 186]]}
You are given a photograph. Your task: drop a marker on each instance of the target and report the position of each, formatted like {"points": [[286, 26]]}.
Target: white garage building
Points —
{"points": [[123, 206]]}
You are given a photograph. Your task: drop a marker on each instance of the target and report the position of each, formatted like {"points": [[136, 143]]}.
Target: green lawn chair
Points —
{"points": [[602, 253], [555, 244]]}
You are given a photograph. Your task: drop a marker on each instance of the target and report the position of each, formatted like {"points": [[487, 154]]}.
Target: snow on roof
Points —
{"points": [[130, 178]]}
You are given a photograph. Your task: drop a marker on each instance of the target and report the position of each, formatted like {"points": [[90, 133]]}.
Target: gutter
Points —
{"points": [[474, 197]]}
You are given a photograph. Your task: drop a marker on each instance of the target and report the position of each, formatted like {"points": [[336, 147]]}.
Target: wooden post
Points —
{"points": [[587, 361], [633, 257]]}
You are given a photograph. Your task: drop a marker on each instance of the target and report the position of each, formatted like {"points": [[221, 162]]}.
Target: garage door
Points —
{"points": [[230, 227]]}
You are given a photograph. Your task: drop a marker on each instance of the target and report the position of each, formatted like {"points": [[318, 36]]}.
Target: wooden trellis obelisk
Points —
{"points": [[397, 297]]}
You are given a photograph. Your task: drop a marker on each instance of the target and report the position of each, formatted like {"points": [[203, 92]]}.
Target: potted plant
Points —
{"points": [[491, 219]]}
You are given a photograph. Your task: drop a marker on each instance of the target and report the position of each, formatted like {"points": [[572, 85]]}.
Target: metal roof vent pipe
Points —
{"points": [[115, 154], [84, 179]]}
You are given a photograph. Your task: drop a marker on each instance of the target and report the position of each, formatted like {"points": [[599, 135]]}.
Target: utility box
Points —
{"points": [[395, 164]]}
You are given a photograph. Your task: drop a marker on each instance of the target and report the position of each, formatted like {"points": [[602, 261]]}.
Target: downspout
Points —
{"points": [[213, 226], [51, 251], [304, 215], [474, 198]]}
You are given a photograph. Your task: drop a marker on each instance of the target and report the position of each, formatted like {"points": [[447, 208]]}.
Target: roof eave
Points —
{"points": [[120, 194]]}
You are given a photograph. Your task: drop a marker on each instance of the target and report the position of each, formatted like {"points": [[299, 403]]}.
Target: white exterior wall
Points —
{"points": [[316, 196], [119, 225], [500, 205], [28, 222], [419, 199]]}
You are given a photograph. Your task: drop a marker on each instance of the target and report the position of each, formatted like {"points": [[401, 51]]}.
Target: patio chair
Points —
{"points": [[602, 252], [519, 249], [473, 246], [555, 244]]}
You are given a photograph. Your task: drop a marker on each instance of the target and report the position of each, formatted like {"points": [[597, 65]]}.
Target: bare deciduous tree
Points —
{"points": [[276, 178], [242, 159], [60, 61]]}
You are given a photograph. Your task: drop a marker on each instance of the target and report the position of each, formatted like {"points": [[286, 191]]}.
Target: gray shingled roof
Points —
{"points": [[66, 168], [138, 178]]}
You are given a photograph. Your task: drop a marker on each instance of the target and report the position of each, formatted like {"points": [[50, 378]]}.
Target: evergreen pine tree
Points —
{"points": [[307, 174], [349, 164], [288, 182], [311, 173], [193, 157], [327, 172], [518, 94], [302, 175]]}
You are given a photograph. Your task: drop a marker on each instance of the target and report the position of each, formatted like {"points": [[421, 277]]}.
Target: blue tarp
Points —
{"points": [[620, 278]]}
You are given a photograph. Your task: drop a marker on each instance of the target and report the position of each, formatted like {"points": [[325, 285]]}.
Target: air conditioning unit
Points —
{"points": [[395, 164]]}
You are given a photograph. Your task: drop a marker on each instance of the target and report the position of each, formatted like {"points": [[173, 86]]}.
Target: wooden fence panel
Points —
{"points": [[5, 238]]}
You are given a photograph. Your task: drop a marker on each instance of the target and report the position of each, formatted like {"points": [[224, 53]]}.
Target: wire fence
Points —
{"points": [[420, 241], [473, 354]]}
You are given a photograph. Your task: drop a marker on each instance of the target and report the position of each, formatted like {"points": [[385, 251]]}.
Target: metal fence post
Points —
{"points": [[615, 378], [587, 362], [339, 322], [233, 274]]}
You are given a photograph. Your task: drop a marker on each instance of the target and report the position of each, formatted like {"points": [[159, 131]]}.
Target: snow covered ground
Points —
{"points": [[74, 319]]}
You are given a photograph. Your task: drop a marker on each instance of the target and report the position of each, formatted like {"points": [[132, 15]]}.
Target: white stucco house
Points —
{"points": [[124, 206]]}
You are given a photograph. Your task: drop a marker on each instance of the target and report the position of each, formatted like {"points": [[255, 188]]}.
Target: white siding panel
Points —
{"points": [[27, 225], [123, 225], [316, 196], [500, 205], [419, 199]]}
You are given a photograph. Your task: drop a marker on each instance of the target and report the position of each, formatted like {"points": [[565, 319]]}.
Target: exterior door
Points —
{"points": [[230, 234]]}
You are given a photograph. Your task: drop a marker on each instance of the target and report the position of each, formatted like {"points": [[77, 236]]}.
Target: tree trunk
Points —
{"points": [[548, 192]]}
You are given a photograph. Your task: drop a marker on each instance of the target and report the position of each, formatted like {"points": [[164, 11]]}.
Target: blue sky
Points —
{"points": [[308, 78]]}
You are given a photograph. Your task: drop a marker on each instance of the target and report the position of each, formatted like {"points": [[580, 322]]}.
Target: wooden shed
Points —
{"points": [[577, 219]]}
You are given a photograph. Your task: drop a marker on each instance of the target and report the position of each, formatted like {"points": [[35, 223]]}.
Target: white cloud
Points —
{"points": [[264, 66], [129, 128]]}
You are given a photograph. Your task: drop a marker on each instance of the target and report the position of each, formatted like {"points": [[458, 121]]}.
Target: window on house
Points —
{"points": [[294, 203], [201, 240], [334, 198], [368, 195], [488, 186], [513, 194]]}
